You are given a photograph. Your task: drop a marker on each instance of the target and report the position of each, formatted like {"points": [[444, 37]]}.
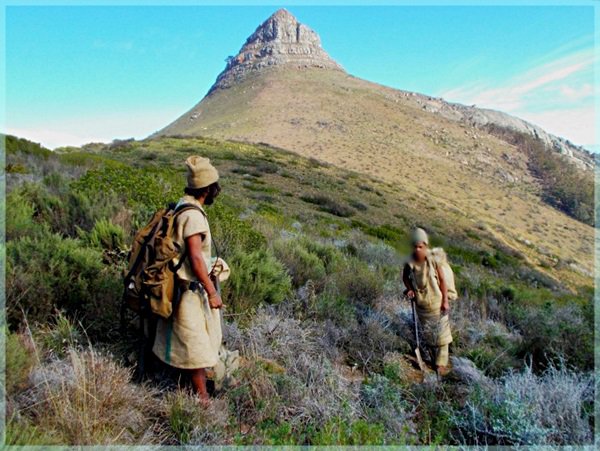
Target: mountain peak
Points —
{"points": [[279, 40]]}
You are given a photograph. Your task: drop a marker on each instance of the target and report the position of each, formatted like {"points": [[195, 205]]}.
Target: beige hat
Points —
{"points": [[200, 173], [420, 235]]}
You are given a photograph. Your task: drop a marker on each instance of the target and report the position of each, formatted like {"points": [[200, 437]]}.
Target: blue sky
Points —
{"points": [[79, 74]]}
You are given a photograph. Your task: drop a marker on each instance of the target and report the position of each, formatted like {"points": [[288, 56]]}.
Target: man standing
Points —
{"points": [[190, 339], [431, 297]]}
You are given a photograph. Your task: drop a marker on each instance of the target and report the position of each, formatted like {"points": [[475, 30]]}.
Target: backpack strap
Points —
{"points": [[186, 207]]}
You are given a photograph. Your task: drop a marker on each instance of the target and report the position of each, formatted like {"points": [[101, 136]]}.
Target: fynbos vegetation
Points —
{"points": [[314, 307]]}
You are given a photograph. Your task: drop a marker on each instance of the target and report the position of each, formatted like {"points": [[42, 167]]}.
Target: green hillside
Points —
{"points": [[314, 306]]}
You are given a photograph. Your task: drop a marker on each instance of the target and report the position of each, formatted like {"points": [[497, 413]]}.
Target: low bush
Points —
{"points": [[358, 283], [385, 405], [301, 264], [19, 217], [525, 409], [193, 424], [329, 205], [106, 236], [258, 278], [49, 272], [339, 432]]}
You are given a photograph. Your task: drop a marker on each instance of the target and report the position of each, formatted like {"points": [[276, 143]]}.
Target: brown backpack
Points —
{"points": [[150, 278]]}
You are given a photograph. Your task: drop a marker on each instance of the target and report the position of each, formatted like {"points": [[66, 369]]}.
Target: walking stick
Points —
{"points": [[422, 365]]}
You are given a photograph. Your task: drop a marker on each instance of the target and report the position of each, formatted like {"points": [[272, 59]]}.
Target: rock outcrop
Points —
{"points": [[280, 40], [480, 117]]}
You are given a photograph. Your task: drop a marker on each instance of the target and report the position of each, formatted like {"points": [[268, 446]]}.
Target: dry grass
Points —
{"points": [[87, 398]]}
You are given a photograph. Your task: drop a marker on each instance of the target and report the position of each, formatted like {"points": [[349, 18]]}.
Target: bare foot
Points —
{"points": [[442, 371], [205, 401]]}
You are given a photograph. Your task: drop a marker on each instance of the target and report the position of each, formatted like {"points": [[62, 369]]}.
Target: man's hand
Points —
{"points": [[410, 294], [445, 307], [214, 300]]}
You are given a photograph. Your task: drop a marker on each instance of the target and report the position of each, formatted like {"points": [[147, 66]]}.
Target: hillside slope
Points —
{"points": [[383, 133], [437, 152], [314, 306]]}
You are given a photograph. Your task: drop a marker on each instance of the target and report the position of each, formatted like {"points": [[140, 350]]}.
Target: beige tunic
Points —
{"points": [[191, 338], [436, 327]]}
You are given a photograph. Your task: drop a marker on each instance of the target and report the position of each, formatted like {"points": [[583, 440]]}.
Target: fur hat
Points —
{"points": [[200, 173], [419, 235]]}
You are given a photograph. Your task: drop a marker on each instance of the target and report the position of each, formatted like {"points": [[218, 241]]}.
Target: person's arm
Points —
{"points": [[444, 289], [194, 250], [407, 283]]}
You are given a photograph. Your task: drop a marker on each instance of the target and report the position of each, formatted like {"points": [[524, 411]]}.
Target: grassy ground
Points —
{"points": [[314, 308]]}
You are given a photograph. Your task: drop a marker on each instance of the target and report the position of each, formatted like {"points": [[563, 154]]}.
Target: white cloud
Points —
{"points": [[76, 131], [556, 94]]}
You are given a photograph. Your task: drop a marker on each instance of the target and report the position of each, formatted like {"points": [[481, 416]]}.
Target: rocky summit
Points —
{"points": [[280, 40]]}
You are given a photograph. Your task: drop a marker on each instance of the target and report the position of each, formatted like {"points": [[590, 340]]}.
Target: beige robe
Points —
{"points": [[435, 326], [191, 337]]}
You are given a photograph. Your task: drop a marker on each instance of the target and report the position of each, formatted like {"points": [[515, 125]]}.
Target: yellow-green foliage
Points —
{"points": [[258, 278], [49, 272], [106, 235], [20, 359]]}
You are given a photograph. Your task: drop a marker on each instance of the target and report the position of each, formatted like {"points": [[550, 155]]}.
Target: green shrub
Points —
{"points": [[57, 337], [256, 278], [19, 216], [106, 235], [356, 282], [49, 272], [62, 210], [20, 359], [230, 233], [14, 145], [331, 305], [147, 186], [301, 264], [20, 431], [553, 333], [328, 205], [340, 432]]}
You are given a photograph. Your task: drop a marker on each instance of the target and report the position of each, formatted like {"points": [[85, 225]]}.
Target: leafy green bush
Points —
{"points": [[19, 216], [14, 145], [552, 333], [257, 278], [150, 187], [231, 234], [356, 282], [106, 235], [301, 264], [49, 272]]}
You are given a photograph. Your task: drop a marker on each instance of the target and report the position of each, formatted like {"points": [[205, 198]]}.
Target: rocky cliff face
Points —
{"points": [[280, 40]]}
